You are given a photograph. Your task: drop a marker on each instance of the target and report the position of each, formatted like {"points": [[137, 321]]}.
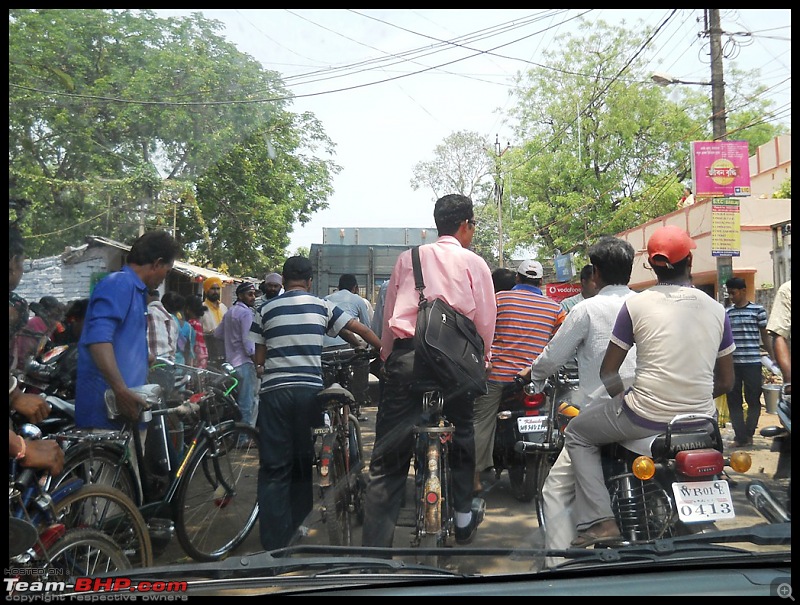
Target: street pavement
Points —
{"points": [[512, 524]]}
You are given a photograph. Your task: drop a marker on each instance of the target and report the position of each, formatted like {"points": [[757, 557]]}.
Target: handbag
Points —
{"points": [[447, 345]]}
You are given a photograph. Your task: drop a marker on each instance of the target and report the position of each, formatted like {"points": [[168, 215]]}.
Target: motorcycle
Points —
{"points": [[54, 372], [781, 443], [528, 415], [672, 483]]}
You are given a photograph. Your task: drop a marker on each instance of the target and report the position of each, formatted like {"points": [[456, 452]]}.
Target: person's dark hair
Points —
{"points": [[450, 211], [77, 308], [153, 245], [586, 272], [613, 257], [172, 301], [194, 304], [297, 268], [504, 278], [347, 281], [678, 271], [736, 283]]}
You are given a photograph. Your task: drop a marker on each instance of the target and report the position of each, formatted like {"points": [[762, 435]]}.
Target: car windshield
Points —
{"points": [[232, 202]]}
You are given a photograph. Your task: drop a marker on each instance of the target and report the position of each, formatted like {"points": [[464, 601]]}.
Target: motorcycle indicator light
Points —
{"points": [[741, 461], [643, 468]]}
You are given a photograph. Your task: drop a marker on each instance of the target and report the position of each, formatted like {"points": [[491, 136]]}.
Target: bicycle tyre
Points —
{"points": [[212, 519], [543, 463], [83, 553], [336, 503], [109, 510], [96, 464], [522, 475]]}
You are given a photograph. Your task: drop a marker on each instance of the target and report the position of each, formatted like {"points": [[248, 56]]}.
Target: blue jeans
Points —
{"points": [[246, 398], [286, 472]]}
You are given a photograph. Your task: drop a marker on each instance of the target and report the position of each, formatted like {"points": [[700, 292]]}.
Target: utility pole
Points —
{"points": [[719, 125], [498, 194]]}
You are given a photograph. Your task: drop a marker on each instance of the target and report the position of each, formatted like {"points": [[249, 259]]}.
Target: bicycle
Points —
{"points": [[211, 501], [433, 483], [41, 543], [76, 505], [340, 456]]}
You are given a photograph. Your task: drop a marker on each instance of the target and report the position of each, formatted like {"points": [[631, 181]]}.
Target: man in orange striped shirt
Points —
{"points": [[526, 321]]}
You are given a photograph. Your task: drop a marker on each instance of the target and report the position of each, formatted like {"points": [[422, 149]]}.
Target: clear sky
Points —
{"points": [[388, 91]]}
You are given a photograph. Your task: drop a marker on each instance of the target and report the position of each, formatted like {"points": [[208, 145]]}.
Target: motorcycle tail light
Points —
{"points": [[196, 397], [699, 463], [431, 497], [532, 402], [643, 468]]}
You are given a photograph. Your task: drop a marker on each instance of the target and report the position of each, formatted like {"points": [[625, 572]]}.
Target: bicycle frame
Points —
{"points": [[435, 515]]}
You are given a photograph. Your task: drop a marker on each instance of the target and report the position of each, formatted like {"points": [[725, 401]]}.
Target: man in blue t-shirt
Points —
{"points": [[749, 325], [112, 351]]}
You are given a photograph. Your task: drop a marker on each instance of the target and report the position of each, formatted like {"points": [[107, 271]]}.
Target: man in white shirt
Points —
{"points": [[350, 301], [584, 336]]}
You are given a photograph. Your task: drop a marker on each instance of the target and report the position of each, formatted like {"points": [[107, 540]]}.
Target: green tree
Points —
{"points": [[602, 149], [119, 121], [464, 163]]}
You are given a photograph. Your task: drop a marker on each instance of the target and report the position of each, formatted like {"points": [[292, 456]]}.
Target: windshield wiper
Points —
{"points": [[716, 542]]}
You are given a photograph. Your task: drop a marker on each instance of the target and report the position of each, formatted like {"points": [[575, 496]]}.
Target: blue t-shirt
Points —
{"points": [[117, 314]]}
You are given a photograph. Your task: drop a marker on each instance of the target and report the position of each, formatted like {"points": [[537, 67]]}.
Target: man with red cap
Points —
{"points": [[684, 359]]}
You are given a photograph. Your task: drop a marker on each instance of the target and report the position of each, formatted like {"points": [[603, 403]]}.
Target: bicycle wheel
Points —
{"points": [[109, 510], [83, 553], [97, 463], [336, 506], [542, 463], [428, 481], [217, 498]]}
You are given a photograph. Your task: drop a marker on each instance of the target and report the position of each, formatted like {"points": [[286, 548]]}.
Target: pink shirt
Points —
{"points": [[450, 272]]}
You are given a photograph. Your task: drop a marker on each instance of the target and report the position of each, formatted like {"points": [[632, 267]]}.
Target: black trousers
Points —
{"points": [[400, 409]]}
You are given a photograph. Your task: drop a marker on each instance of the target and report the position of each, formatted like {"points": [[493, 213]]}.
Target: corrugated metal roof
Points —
{"points": [[181, 267]]}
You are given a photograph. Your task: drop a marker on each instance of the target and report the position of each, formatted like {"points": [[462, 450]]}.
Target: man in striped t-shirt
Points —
{"points": [[526, 321], [748, 324], [289, 345]]}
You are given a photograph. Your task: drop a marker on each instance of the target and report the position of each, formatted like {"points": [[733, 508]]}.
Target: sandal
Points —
{"points": [[603, 532]]}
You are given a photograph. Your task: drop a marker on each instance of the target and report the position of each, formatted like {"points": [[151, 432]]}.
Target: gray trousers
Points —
{"points": [[599, 425]]}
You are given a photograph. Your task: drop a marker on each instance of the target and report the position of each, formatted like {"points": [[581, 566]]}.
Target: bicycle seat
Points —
{"points": [[151, 393], [336, 392]]}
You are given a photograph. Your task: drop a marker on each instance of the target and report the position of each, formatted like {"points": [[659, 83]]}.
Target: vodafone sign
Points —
{"points": [[559, 292]]}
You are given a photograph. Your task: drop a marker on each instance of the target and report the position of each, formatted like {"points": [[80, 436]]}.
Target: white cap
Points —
{"points": [[531, 268]]}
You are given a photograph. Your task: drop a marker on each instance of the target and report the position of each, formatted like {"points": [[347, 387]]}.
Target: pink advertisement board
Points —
{"points": [[720, 169]]}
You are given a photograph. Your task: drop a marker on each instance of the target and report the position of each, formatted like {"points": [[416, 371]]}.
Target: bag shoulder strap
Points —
{"points": [[419, 283]]}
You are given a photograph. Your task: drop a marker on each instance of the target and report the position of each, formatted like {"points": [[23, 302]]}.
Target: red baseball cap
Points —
{"points": [[669, 245]]}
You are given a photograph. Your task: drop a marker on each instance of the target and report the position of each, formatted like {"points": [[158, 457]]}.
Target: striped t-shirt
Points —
{"points": [[292, 326], [526, 321], [746, 324]]}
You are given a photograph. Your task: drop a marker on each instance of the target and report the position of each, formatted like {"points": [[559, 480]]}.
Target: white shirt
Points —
{"points": [[584, 335]]}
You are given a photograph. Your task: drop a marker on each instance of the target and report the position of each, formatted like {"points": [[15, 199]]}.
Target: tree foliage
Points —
{"points": [[120, 121], [467, 162], [598, 148]]}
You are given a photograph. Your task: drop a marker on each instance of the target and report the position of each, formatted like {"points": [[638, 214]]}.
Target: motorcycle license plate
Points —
{"points": [[532, 424], [698, 501]]}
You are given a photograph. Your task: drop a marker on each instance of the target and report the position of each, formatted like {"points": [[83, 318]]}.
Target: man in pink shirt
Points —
{"points": [[463, 279]]}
